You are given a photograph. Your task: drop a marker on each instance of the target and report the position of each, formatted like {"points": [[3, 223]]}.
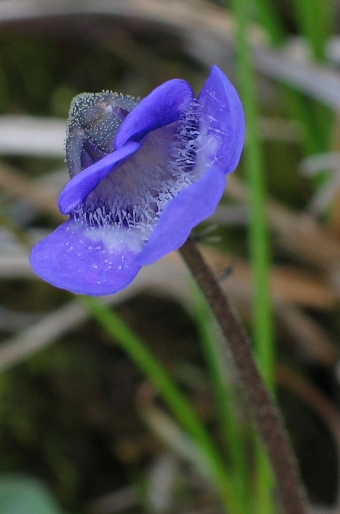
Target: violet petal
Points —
{"points": [[73, 258], [222, 112], [161, 107], [191, 206], [81, 185]]}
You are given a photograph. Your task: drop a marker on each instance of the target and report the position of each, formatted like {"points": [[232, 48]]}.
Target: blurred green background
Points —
{"points": [[77, 415]]}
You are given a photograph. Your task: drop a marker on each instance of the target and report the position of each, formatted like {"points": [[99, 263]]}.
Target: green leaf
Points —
{"points": [[22, 495]]}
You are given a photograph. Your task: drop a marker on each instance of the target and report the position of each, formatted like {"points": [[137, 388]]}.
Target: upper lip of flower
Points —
{"points": [[140, 201], [93, 123]]}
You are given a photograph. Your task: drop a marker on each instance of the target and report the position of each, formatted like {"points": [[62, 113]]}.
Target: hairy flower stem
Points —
{"points": [[263, 408]]}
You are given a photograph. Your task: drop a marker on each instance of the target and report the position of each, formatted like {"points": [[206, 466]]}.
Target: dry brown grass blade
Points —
{"points": [[167, 277], [32, 135], [298, 232], [292, 290], [115, 502], [207, 29], [164, 277], [17, 185], [30, 340], [289, 285], [185, 16]]}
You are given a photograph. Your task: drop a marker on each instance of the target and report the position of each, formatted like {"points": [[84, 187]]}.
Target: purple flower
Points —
{"points": [[143, 174]]}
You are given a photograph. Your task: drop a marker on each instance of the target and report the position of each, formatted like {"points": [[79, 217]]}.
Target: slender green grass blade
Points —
{"points": [[314, 21], [258, 237], [232, 432], [313, 17], [180, 407], [267, 15], [258, 231]]}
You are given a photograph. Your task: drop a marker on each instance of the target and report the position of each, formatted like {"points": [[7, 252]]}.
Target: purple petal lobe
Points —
{"points": [[223, 117], [185, 211], [81, 261], [81, 185], [161, 107]]}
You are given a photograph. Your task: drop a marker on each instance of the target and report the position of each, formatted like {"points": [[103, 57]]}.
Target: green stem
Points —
{"points": [[262, 406]]}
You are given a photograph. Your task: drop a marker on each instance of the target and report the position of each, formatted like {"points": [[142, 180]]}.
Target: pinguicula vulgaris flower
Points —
{"points": [[143, 174]]}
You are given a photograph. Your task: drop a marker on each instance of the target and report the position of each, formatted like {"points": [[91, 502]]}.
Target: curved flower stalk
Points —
{"points": [[143, 174]]}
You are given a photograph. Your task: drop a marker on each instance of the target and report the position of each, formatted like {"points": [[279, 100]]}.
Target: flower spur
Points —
{"points": [[143, 174]]}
